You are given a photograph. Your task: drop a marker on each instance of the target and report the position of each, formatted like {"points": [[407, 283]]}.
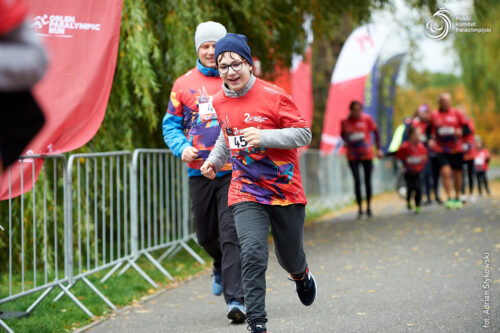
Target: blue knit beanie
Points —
{"points": [[234, 43]]}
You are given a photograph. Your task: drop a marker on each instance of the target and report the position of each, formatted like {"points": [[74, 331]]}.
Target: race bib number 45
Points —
{"points": [[238, 142]]}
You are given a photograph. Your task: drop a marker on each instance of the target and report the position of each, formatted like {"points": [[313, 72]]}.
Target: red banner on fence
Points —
{"points": [[81, 38]]}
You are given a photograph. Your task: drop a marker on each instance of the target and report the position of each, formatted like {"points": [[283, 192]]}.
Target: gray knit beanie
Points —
{"points": [[208, 32]]}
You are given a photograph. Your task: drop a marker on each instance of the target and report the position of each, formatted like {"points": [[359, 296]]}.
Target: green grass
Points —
{"points": [[64, 315], [495, 161], [312, 215]]}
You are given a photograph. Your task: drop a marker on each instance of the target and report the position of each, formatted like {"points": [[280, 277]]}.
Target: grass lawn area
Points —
{"points": [[65, 316], [495, 161]]}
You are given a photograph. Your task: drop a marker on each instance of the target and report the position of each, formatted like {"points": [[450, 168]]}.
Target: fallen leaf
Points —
{"points": [[335, 296], [269, 289], [478, 229], [371, 291], [143, 311], [151, 291], [339, 279], [415, 248], [410, 324]]}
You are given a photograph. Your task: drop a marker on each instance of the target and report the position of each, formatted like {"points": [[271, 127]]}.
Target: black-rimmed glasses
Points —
{"points": [[236, 66]]}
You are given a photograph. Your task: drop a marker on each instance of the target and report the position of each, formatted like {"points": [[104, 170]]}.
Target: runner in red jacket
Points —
{"points": [[448, 126], [430, 174], [413, 154], [261, 129], [356, 131], [481, 162]]}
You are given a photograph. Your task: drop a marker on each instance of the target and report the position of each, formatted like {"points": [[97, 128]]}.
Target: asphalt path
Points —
{"points": [[395, 272]]}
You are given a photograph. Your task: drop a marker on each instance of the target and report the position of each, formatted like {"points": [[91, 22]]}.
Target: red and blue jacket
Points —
{"points": [[190, 119]]}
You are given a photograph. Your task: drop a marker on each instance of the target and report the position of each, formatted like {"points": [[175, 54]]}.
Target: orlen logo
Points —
{"points": [[61, 25]]}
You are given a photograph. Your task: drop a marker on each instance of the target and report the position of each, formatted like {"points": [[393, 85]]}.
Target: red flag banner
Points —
{"points": [[81, 38], [354, 64], [302, 86]]}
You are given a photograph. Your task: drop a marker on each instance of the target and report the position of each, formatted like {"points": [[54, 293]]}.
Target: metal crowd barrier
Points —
{"points": [[328, 182], [160, 201], [99, 215], [39, 252]]}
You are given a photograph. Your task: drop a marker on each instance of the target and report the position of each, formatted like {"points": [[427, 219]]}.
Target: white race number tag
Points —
{"points": [[356, 136], [479, 161], [446, 131], [238, 142], [205, 108]]}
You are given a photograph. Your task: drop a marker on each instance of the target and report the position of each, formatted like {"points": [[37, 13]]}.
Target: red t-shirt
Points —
{"points": [[423, 125], [469, 144], [413, 156], [265, 175], [356, 134], [12, 13], [482, 160], [444, 126]]}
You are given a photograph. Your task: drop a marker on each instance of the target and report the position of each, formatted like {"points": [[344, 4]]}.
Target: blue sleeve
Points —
{"points": [[173, 134]]}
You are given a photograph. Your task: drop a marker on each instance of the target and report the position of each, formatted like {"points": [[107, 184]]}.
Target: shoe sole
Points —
{"points": [[236, 315]]}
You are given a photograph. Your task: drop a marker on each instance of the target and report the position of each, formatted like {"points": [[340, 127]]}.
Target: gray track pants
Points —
{"points": [[252, 225]]}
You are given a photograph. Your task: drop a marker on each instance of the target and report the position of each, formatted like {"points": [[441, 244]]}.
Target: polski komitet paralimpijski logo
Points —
{"points": [[439, 25]]}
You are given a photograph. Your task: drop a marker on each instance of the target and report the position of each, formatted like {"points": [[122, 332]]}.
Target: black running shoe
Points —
{"points": [[257, 328], [306, 288]]}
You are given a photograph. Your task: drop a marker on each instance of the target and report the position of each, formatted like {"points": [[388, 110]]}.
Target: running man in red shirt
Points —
{"points": [[190, 129], [413, 154], [481, 162], [448, 126], [356, 132], [261, 129]]}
